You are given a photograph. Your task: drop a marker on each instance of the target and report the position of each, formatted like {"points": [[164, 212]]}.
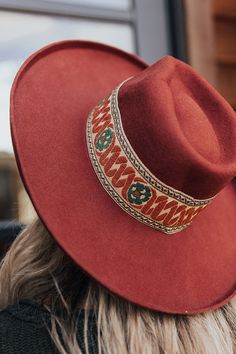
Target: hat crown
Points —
{"points": [[180, 127]]}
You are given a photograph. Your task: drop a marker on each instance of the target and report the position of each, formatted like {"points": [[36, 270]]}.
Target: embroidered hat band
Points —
{"points": [[128, 181]]}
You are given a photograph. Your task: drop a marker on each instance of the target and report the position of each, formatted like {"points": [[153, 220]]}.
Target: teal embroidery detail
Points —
{"points": [[105, 139], [138, 193]]}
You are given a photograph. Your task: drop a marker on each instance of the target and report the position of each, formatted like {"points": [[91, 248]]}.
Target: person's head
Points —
{"points": [[36, 268], [162, 145]]}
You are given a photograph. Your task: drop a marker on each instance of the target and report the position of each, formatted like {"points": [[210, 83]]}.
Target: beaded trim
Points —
{"points": [[128, 181]]}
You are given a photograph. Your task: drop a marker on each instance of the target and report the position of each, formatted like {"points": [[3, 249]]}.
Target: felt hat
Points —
{"points": [[130, 167]]}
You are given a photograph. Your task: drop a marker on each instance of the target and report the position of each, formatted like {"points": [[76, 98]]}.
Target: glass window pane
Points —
{"points": [[25, 33], [114, 4]]}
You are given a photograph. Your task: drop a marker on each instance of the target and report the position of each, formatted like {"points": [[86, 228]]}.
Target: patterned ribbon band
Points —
{"points": [[128, 181]]}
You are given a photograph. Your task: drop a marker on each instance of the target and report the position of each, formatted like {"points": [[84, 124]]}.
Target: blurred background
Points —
{"points": [[202, 33]]}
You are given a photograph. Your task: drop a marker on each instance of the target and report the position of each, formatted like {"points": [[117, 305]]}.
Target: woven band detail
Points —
{"points": [[128, 181]]}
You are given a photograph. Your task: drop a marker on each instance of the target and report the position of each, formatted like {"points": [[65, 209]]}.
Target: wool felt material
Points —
{"points": [[128, 181], [180, 127]]}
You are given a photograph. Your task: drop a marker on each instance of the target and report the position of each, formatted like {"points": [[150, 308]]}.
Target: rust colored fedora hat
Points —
{"points": [[131, 169]]}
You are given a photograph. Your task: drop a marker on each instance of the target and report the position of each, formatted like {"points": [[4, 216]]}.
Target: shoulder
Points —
{"points": [[24, 329], [25, 311]]}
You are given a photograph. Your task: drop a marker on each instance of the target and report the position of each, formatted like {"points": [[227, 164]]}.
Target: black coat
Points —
{"points": [[24, 330]]}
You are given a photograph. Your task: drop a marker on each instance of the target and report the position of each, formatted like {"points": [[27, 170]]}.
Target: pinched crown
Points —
{"points": [[128, 181]]}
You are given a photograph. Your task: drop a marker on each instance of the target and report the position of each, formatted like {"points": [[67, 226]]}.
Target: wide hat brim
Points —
{"points": [[54, 91]]}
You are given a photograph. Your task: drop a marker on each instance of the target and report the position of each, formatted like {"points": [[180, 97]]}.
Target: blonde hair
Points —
{"points": [[35, 268]]}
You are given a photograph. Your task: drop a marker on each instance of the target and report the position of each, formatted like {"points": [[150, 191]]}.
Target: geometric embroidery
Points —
{"points": [[128, 181], [105, 139], [138, 193]]}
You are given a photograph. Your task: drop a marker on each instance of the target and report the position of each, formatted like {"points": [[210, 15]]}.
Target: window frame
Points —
{"points": [[151, 20]]}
